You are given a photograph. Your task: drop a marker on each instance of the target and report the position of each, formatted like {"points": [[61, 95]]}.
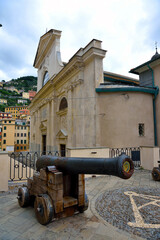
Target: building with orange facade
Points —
{"points": [[31, 95]]}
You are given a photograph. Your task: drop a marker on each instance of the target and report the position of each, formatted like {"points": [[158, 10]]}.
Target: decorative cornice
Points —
{"points": [[75, 64]]}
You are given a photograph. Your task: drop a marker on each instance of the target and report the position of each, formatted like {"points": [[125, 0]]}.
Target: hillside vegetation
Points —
{"points": [[23, 83]]}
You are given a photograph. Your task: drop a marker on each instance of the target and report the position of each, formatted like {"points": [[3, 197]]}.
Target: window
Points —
{"points": [[5, 121], [4, 135], [5, 127], [45, 78], [21, 141], [21, 134], [141, 129], [17, 141], [18, 127], [17, 147], [4, 141], [21, 148], [9, 121], [4, 149], [24, 141], [24, 134], [21, 127], [17, 134], [24, 147], [63, 150], [63, 104]]}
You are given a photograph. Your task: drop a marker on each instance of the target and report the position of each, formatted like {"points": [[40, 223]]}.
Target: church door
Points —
{"points": [[44, 144]]}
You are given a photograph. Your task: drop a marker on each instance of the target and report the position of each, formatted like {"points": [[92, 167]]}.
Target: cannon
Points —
{"points": [[156, 172], [57, 188]]}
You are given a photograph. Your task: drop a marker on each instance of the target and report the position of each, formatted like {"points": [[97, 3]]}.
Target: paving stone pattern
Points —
{"points": [[115, 207], [20, 223]]}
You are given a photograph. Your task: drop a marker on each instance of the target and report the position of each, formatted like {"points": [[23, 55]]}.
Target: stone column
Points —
{"points": [[38, 137], [52, 131], [48, 127], [69, 119]]}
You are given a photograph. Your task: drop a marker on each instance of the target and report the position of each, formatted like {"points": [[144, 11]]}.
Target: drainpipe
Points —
{"points": [[154, 106]]}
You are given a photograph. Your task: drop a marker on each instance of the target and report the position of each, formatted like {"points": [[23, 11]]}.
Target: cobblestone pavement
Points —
{"points": [[20, 223]]}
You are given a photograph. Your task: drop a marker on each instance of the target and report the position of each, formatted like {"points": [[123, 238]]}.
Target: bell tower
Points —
{"points": [[48, 57]]}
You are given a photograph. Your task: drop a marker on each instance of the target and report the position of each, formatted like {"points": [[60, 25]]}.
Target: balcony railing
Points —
{"points": [[132, 152], [23, 165]]}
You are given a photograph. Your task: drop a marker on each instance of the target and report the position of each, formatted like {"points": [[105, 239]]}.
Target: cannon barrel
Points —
{"points": [[121, 166]]}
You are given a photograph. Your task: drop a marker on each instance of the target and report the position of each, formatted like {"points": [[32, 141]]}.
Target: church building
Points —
{"points": [[79, 105]]}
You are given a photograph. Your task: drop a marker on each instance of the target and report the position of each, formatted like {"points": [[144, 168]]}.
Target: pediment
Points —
{"points": [[43, 126], [44, 46], [62, 134]]}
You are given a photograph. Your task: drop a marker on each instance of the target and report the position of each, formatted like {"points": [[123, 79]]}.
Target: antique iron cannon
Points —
{"points": [[57, 189]]}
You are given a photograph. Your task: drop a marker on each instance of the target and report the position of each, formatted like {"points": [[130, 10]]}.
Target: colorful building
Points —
{"points": [[25, 95], [22, 133], [5, 115], [3, 101], [7, 134], [23, 101], [15, 110], [31, 95]]}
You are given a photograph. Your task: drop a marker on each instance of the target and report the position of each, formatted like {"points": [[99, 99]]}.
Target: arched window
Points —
{"points": [[63, 104], [45, 78]]}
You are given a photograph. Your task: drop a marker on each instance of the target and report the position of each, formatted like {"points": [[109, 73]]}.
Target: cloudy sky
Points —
{"points": [[128, 30]]}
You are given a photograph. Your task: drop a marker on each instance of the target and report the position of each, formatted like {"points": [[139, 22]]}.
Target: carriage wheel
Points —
{"points": [[23, 196], [43, 209], [86, 204], [156, 174]]}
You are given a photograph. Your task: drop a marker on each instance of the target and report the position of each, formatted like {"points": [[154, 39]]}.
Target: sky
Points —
{"points": [[128, 30]]}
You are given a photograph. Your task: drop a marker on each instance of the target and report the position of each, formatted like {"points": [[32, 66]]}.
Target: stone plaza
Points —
{"points": [[118, 209]]}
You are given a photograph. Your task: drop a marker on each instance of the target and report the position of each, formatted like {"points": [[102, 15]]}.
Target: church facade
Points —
{"points": [[79, 105]]}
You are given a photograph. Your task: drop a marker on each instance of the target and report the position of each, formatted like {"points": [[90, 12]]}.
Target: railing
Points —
{"points": [[132, 152], [23, 165]]}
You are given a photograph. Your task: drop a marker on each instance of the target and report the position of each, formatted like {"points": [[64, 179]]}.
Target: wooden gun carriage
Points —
{"points": [[57, 189]]}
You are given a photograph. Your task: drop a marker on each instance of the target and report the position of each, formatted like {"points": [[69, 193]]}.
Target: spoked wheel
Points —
{"points": [[156, 174], [23, 196], [43, 209], [86, 204]]}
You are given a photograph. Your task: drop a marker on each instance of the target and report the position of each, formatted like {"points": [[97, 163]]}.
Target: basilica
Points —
{"points": [[80, 105]]}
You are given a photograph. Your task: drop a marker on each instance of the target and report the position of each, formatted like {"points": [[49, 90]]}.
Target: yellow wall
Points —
{"points": [[21, 134], [9, 124], [15, 110]]}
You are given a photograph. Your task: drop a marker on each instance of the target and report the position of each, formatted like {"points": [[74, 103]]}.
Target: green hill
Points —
{"points": [[23, 83]]}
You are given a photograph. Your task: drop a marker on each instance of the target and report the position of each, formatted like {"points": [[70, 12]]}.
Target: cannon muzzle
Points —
{"points": [[121, 166]]}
